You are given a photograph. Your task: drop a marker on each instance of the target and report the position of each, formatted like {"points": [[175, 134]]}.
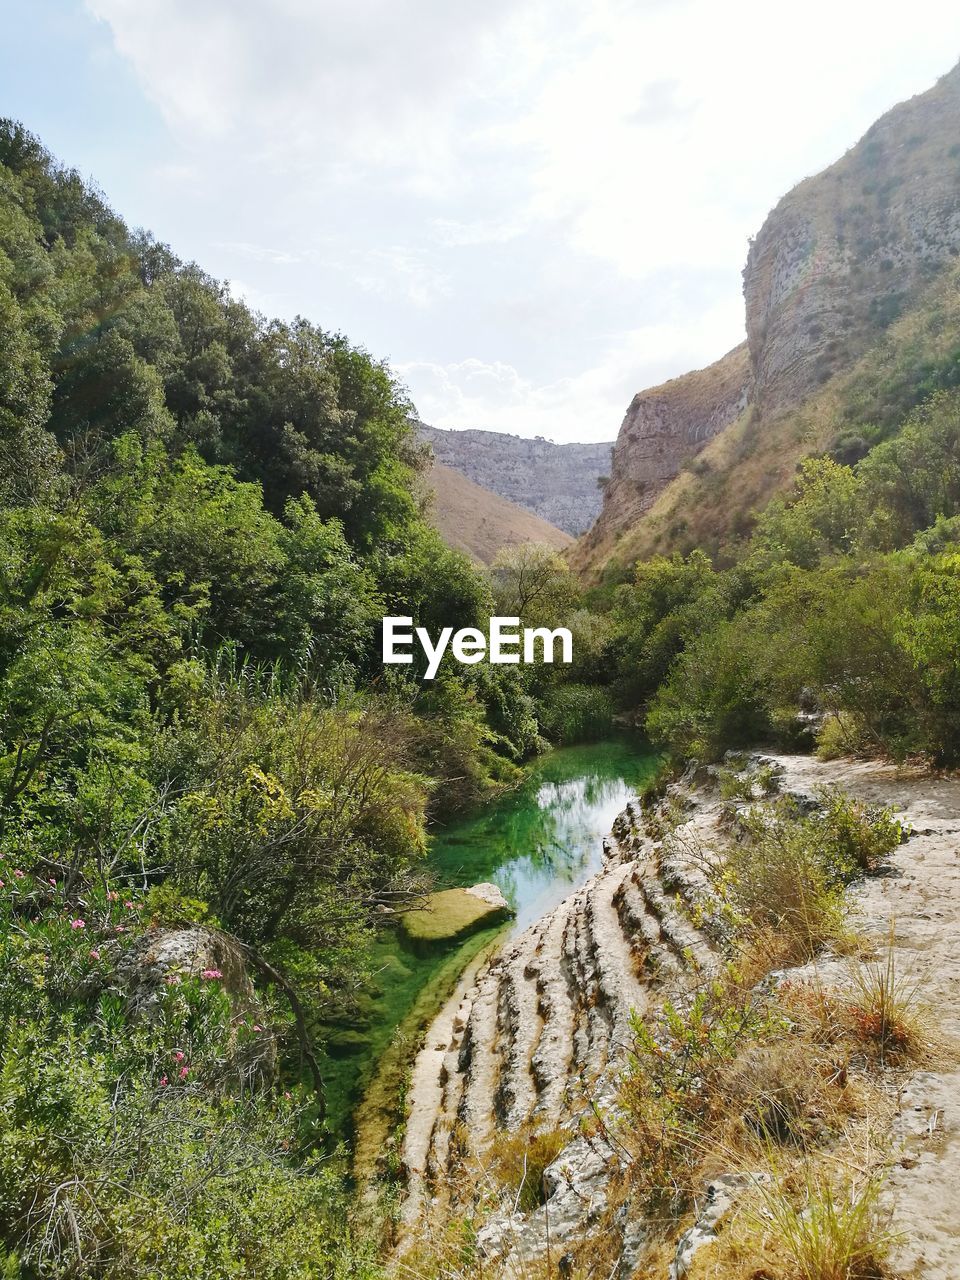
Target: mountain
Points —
{"points": [[474, 520], [558, 482], [852, 316]]}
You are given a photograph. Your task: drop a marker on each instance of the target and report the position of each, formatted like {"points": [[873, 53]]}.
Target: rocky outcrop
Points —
{"points": [[838, 260], [450, 915], [557, 482], [538, 1035], [663, 429], [165, 958], [840, 255]]}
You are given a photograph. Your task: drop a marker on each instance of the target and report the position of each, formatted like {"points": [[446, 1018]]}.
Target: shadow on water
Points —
{"points": [[538, 843]]}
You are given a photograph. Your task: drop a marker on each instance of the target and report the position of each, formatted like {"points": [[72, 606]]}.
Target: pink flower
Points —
{"points": [[113, 896], [128, 906], [164, 1082], [94, 953], [211, 975], [184, 1072], [257, 1028], [179, 1056], [172, 980], [288, 1096], [52, 881], [78, 924], [120, 929], [1, 884], [18, 874]]}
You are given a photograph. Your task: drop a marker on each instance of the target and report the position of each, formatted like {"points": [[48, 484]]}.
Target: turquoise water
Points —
{"points": [[543, 840], [538, 843]]}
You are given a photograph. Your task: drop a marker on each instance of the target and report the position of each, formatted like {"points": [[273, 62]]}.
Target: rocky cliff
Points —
{"points": [[558, 482], [839, 263], [664, 428]]}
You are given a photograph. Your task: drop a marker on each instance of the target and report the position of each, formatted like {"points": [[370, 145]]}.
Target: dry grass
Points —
{"points": [[832, 1230], [885, 1009], [481, 523], [520, 1159]]}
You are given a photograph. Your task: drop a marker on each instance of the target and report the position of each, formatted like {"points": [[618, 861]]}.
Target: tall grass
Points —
{"points": [[885, 1006], [835, 1232]]}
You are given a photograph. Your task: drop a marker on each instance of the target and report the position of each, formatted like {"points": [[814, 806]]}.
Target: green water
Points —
{"points": [[538, 843]]}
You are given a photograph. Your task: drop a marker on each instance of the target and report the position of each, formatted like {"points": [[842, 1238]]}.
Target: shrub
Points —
{"points": [[840, 734], [885, 1007], [577, 713], [137, 1146], [788, 872], [674, 1092], [716, 695]]}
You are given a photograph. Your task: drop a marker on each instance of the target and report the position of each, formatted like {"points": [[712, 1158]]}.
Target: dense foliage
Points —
{"points": [[839, 616], [203, 517]]}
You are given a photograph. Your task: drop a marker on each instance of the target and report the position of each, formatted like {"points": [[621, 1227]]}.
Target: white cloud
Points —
{"points": [[537, 206], [400, 272], [455, 234], [261, 252], [586, 404]]}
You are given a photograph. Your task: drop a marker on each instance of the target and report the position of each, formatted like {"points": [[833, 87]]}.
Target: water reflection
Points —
{"points": [[542, 841], [538, 843]]}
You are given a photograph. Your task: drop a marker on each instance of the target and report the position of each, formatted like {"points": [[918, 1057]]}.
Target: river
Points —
{"points": [[538, 843]]}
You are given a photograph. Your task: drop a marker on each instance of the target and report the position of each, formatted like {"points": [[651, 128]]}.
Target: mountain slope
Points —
{"points": [[472, 519], [663, 428], [851, 313], [558, 482]]}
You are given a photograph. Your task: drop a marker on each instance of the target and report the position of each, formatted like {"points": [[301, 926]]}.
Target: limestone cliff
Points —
{"points": [[840, 261], [557, 482], [663, 428]]}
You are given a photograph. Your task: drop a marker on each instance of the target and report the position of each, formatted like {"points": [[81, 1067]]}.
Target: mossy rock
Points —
{"points": [[451, 915]]}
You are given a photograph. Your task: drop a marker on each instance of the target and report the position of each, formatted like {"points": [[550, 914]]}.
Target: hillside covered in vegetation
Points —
{"points": [[212, 794], [214, 797]]}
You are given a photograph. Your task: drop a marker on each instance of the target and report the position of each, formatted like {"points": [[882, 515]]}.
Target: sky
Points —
{"points": [[531, 208]]}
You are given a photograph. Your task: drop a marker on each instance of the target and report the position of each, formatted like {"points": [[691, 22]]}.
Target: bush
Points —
{"points": [[788, 873], [576, 713], [716, 695], [132, 1148], [674, 1092]]}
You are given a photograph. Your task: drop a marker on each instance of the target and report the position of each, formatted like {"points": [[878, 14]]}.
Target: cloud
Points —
{"points": [[354, 85], [586, 404], [261, 253], [538, 206], [401, 272], [456, 234]]}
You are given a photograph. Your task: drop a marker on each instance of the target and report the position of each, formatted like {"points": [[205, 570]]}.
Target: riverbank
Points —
{"points": [[540, 1039], [537, 843]]}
